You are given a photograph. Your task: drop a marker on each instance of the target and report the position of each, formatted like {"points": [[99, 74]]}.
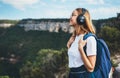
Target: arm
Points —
{"points": [[89, 61]]}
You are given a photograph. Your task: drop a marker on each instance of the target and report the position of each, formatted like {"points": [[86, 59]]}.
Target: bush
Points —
{"points": [[48, 63], [111, 35], [4, 76]]}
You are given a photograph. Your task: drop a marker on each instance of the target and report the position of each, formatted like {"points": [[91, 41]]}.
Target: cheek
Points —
{"points": [[73, 20]]}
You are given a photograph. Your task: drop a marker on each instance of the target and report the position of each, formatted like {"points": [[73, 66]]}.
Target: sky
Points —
{"points": [[37, 9]]}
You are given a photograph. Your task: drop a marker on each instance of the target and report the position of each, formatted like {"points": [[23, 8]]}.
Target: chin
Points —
{"points": [[70, 24]]}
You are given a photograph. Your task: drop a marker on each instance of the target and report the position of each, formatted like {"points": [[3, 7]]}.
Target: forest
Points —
{"points": [[43, 54]]}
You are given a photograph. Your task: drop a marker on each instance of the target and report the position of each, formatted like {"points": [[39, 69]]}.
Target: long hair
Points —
{"points": [[88, 26]]}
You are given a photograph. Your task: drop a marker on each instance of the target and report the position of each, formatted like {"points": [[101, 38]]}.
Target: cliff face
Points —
{"points": [[56, 25], [50, 25]]}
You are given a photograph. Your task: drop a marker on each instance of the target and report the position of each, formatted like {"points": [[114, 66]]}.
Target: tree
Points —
{"points": [[48, 63], [111, 35]]}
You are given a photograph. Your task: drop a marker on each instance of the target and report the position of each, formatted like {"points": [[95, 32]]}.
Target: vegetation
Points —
{"points": [[43, 54], [29, 49], [47, 63], [9, 21], [111, 35], [4, 76], [24, 21]]}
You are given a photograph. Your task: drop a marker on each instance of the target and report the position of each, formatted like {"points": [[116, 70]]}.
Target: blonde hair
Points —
{"points": [[88, 26]]}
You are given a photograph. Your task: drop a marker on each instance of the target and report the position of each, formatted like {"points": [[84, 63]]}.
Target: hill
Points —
{"points": [[22, 46], [43, 54]]}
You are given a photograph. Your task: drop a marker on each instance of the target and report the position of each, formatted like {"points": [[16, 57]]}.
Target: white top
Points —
{"points": [[75, 59]]}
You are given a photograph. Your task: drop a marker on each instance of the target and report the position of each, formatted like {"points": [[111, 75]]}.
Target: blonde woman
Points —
{"points": [[81, 66]]}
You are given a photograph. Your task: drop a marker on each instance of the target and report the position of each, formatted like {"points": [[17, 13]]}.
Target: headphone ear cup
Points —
{"points": [[81, 19]]}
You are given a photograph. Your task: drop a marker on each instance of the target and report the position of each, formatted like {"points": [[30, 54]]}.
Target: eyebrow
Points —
{"points": [[73, 13]]}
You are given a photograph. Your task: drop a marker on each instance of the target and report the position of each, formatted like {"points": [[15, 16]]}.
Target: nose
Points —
{"points": [[70, 17]]}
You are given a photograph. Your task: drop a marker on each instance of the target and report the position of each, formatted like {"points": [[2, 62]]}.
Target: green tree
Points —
{"points": [[111, 35], [48, 63]]}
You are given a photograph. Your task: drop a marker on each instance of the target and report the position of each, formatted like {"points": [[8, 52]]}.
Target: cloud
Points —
{"points": [[63, 0], [57, 13], [63, 8], [104, 12], [59, 0], [20, 4], [95, 2]]}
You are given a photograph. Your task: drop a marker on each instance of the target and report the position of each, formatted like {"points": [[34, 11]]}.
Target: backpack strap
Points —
{"points": [[88, 35], [100, 40]]}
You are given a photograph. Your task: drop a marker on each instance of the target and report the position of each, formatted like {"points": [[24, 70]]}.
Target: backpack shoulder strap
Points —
{"points": [[88, 35]]}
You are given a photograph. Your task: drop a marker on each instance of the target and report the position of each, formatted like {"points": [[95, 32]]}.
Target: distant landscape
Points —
{"points": [[36, 48]]}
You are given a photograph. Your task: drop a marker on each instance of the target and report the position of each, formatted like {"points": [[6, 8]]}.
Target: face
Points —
{"points": [[73, 18]]}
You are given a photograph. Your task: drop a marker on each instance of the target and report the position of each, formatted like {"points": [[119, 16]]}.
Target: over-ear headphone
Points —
{"points": [[81, 17]]}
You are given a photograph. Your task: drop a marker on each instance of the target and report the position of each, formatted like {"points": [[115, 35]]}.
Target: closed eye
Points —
{"points": [[74, 15]]}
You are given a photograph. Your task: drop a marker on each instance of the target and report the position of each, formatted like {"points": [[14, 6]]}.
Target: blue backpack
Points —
{"points": [[103, 63]]}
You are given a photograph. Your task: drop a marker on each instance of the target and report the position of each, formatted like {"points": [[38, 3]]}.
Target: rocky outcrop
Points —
{"points": [[46, 25], [6, 25]]}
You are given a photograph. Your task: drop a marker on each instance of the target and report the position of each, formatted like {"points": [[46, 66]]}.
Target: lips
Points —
{"points": [[70, 20]]}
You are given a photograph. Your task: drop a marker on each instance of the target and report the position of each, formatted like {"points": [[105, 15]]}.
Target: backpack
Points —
{"points": [[103, 62]]}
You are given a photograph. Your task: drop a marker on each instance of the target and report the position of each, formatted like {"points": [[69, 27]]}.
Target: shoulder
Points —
{"points": [[91, 46], [91, 39]]}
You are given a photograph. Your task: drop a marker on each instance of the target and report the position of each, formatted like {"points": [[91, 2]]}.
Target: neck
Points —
{"points": [[78, 30]]}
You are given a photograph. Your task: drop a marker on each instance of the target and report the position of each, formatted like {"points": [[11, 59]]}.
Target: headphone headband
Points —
{"points": [[83, 11]]}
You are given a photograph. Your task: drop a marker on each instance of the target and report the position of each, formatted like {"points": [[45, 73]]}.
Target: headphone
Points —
{"points": [[81, 17]]}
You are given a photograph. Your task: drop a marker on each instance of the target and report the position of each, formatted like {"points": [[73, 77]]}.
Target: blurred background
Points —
{"points": [[34, 34]]}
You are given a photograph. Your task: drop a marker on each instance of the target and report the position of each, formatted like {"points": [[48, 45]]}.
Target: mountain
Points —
{"points": [[42, 53]]}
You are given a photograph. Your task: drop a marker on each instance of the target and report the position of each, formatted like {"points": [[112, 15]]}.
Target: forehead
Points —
{"points": [[74, 12]]}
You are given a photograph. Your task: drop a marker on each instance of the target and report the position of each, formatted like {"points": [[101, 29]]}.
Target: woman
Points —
{"points": [[81, 63]]}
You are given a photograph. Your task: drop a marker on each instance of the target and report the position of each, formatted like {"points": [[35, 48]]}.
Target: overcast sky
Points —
{"points": [[36, 9]]}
